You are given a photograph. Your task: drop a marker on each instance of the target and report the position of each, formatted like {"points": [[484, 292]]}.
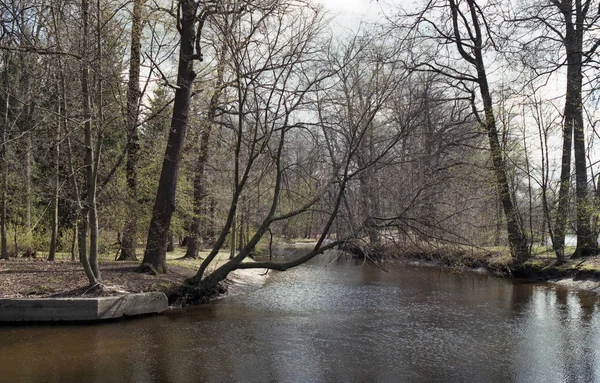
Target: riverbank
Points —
{"points": [[579, 273], [37, 278]]}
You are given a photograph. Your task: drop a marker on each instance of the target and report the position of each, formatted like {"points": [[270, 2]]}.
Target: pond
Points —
{"points": [[333, 320]]}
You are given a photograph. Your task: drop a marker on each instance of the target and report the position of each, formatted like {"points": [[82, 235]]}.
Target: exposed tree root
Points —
{"points": [[149, 268], [193, 295], [100, 289]]}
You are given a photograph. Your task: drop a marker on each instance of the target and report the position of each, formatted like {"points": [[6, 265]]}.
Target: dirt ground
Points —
{"points": [[35, 278]]}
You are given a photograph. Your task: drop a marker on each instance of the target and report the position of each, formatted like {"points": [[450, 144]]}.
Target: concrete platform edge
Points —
{"points": [[81, 309]]}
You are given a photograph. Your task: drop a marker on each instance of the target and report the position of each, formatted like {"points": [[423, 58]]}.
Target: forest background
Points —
{"points": [[130, 125]]}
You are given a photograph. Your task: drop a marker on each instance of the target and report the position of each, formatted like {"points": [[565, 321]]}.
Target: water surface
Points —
{"points": [[332, 321]]}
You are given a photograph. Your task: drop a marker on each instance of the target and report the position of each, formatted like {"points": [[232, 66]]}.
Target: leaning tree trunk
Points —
{"points": [[516, 238], [472, 52], [129, 240], [155, 255]]}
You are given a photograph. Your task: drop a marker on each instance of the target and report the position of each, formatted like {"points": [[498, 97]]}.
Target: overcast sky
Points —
{"points": [[356, 6], [350, 12]]}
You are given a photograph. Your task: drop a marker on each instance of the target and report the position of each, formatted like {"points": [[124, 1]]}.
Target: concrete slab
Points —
{"points": [[81, 309]]}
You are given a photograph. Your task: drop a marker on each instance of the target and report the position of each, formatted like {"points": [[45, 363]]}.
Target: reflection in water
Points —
{"points": [[332, 321], [557, 337]]}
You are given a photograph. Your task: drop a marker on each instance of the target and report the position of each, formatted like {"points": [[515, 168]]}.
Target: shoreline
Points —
{"points": [[579, 274], [32, 288], [98, 309], [243, 281]]}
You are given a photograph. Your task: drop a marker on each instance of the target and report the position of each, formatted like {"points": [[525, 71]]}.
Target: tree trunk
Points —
{"points": [[170, 243], [200, 176], [27, 168], [370, 206], [242, 218], [26, 123], [93, 223], [210, 231], [3, 220], [547, 221], [193, 241], [83, 258], [82, 228], [55, 199], [15, 242], [129, 240], [27, 183], [74, 243], [155, 258], [573, 119], [91, 158], [88, 219], [368, 189], [558, 241], [516, 238], [232, 233], [596, 216], [472, 52], [586, 242]]}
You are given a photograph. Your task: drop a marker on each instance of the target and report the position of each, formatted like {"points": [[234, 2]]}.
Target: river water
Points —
{"points": [[332, 321]]}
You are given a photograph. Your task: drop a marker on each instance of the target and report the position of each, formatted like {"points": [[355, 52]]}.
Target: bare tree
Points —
{"points": [[464, 24], [565, 37], [274, 71], [282, 93]]}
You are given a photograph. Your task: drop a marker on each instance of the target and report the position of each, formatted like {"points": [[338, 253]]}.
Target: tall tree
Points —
{"points": [[129, 239], [191, 18], [466, 28], [3, 154], [88, 219], [57, 181], [575, 16], [281, 82], [200, 181], [565, 37]]}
